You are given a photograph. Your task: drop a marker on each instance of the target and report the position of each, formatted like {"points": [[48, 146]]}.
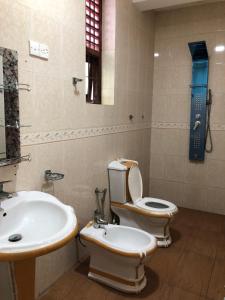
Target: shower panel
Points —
{"points": [[199, 98]]}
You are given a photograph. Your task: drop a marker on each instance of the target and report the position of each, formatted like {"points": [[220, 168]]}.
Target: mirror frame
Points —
{"points": [[11, 101]]}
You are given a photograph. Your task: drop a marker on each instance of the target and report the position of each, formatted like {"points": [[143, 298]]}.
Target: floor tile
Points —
{"points": [[203, 244], [62, 287], [193, 273], [161, 293], [179, 294], [192, 268], [181, 236], [88, 290], [163, 262], [220, 247], [217, 284]]}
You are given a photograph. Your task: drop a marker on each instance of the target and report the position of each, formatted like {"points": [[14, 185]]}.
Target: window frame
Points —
{"points": [[94, 60]]}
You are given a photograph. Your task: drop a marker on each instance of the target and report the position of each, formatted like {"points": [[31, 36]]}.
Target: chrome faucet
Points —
{"points": [[100, 223], [3, 194], [99, 216]]}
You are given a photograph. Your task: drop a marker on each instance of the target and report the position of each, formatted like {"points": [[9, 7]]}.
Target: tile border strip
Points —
{"points": [[169, 125], [164, 125], [28, 139]]}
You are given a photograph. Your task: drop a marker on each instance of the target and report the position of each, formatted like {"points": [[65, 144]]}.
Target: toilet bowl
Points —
{"points": [[117, 255], [150, 214]]}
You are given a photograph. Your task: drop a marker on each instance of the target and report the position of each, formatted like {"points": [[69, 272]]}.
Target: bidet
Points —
{"points": [[117, 258]]}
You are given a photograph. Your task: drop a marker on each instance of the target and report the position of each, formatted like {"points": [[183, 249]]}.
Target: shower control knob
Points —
{"points": [[197, 124]]}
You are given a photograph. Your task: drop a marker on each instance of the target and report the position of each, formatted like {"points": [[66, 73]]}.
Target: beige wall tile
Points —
{"points": [[215, 173], [171, 104], [218, 145], [175, 168], [168, 190], [195, 196], [196, 173], [215, 200], [157, 166], [175, 141], [54, 104], [157, 141]]}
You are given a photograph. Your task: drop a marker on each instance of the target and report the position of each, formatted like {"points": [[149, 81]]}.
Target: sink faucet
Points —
{"points": [[3, 194]]}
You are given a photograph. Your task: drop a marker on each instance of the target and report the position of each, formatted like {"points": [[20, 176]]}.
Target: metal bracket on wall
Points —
{"points": [[199, 94], [15, 160], [76, 80], [15, 126], [18, 86]]}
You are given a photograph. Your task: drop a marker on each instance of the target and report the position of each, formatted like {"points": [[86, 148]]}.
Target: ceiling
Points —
{"points": [[144, 5]]}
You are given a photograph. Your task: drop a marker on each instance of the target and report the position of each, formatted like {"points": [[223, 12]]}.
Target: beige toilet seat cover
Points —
{"points": [[135, 183]]}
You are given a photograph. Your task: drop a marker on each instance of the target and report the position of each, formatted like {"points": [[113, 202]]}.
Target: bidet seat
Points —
{"points": [[121, 240]]}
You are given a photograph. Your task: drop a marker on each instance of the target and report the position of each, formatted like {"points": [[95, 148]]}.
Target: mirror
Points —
{"points": [[2, 115], [9, 107]]}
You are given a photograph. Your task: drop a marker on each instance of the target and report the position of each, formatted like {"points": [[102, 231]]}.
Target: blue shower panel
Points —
{"points": [[199, 95]]}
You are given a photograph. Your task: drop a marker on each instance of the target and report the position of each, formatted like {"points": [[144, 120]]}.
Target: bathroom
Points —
{"points": [[142, 113]]}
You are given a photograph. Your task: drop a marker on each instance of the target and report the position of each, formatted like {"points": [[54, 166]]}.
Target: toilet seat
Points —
{"points": [[155, 205]]}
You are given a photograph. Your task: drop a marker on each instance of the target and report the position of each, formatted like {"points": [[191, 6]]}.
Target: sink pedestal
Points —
{"points": [[24, 278]]}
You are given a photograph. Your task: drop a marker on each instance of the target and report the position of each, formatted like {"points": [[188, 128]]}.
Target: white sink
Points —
{"points": [[44, 223]]}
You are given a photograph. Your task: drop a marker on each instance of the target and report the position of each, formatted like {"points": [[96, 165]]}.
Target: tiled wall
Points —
{"points": [[57, 139], [194, 185]]}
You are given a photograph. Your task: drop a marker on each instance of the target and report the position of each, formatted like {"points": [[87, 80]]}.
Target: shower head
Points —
{"points": [[198, 50]]}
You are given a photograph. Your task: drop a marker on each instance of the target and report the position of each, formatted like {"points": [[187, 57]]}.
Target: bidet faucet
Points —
{"points": [[100, 223]]}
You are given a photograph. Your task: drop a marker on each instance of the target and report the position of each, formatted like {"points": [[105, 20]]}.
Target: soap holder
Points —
{"points": [[53, 176]]}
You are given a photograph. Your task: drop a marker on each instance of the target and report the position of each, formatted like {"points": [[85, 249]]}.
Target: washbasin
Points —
{"points": [[33, 224]]}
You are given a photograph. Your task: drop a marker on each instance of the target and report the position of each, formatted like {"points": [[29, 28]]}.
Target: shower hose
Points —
{"points": [[208, 136]]}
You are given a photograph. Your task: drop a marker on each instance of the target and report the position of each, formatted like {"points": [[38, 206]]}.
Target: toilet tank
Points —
{"points": [[118, 180]]}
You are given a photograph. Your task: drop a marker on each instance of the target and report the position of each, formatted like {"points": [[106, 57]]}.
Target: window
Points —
{"points": [[93, 50]]}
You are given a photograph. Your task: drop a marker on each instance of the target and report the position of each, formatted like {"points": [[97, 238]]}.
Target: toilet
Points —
{"points": [[117, 255], [150, 214]]}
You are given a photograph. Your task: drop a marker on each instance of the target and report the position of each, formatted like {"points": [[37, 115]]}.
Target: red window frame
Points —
{"points": [[93, 49]]}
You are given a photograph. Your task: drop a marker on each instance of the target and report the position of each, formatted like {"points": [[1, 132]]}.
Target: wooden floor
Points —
{"points": [[192, 268]]}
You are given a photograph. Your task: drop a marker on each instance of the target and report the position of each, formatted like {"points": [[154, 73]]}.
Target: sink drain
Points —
{"points": [[15, 237]]}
